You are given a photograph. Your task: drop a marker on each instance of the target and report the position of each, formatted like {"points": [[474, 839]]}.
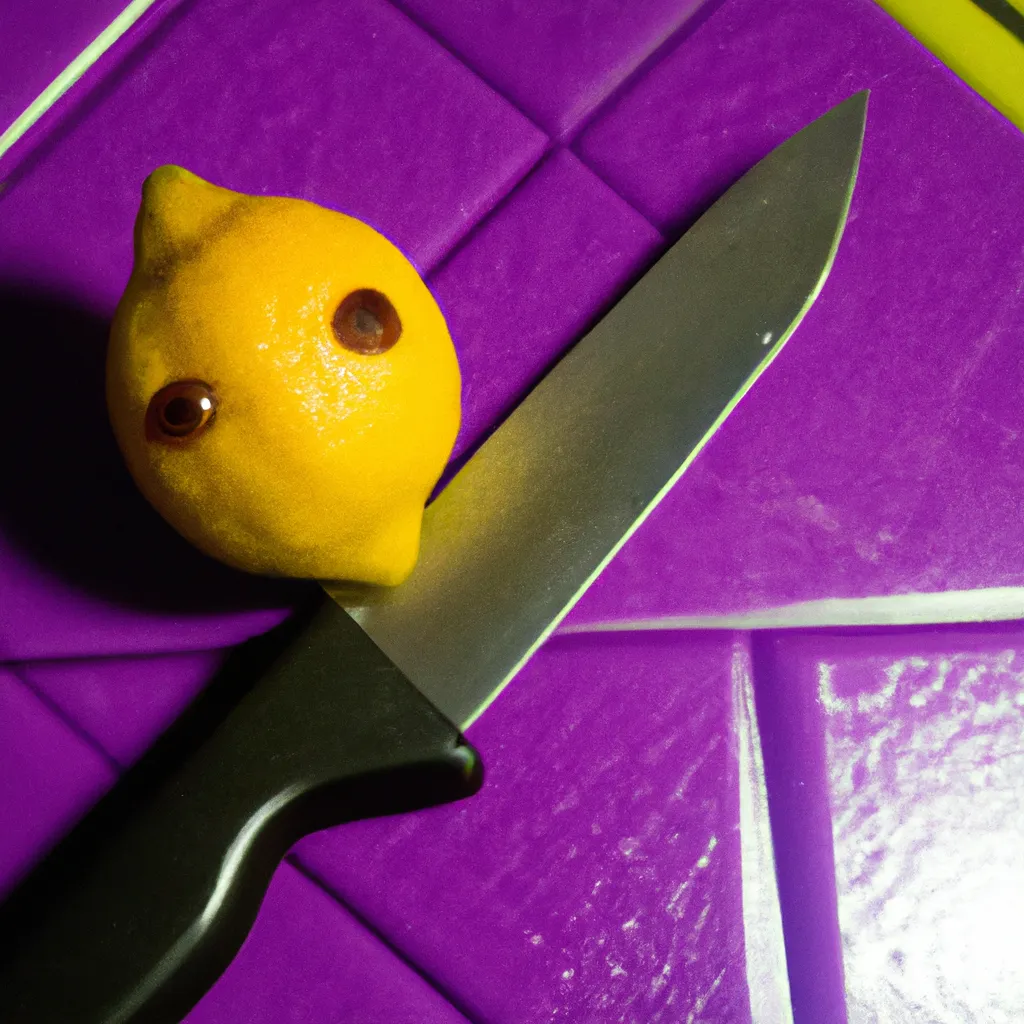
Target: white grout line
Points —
{"points": [[73, 72], [763, 936], [993, 604]]}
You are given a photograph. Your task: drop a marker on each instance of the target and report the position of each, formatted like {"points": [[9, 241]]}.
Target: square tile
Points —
{"points": [[923, 734], [878, 456], [557, 60], [679, 135], [597, 874]]}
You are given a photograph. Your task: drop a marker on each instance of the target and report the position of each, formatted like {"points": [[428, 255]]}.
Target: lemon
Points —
{"points": [[281, 382]]}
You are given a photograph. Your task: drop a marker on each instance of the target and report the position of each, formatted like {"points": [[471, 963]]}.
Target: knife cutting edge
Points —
{"points": [[358, 712], [518, 536]]}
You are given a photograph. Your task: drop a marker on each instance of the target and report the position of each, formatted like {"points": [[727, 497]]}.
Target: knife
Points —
{"points": [[357, 711]]}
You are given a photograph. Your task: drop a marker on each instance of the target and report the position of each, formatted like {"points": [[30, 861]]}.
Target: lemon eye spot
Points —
{"points": [[180, 412], [366, 322]]}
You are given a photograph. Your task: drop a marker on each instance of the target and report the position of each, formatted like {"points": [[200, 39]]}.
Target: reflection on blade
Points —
{"points": [[525, 527]]}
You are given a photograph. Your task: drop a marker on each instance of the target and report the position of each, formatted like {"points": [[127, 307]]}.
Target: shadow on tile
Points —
{"points": [[68, 499]]}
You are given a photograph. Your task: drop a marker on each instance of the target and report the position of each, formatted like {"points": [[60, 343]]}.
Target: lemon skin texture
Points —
{"points": [[313, 458]]}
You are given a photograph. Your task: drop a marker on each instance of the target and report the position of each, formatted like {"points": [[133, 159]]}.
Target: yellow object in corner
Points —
{"points": [[971, 43], [281, 382]]}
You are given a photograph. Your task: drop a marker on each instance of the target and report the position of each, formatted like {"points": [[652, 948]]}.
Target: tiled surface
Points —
{"points": [[557, 60], [882, 453], [816, 487], [923, 736], [368, 141], [597, 874], [357, 142], [122, 704], [531, 279], [32, 59], [261, 987], [670, 159], [49, 776], [66, 600]]}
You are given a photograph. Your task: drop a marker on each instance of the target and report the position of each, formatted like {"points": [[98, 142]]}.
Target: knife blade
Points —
{"points": [[347, 714], [519, 534]]}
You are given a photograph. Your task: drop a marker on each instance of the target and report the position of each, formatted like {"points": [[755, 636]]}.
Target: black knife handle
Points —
{"points": [[142, 908]]}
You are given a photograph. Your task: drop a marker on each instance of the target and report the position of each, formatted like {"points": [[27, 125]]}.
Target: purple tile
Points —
{"points": [[308, 960], [925, 771], [122, 703], [45, 615], [40, 40], [970, 520], [881, 454], [509, 323], [558, 60], [392, 120], [597, 874], [604, 846], [395, 131], [680, 135], [50, 778]]}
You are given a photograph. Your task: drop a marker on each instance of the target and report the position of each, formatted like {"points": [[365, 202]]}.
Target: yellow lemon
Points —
{"points": [[281, 382]]}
